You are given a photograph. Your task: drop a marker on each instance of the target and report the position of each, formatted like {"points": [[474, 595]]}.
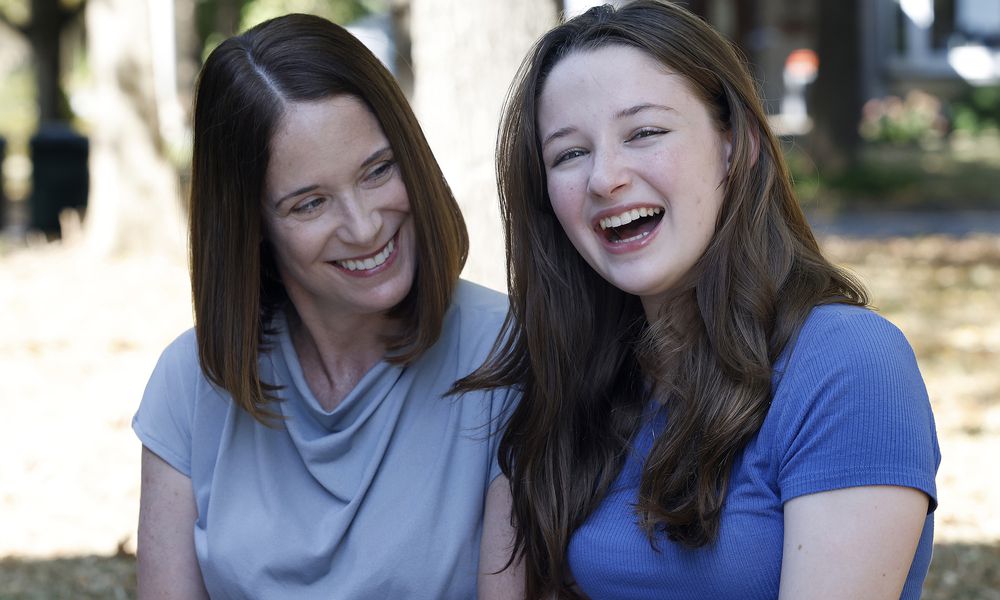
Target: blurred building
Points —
{"points": [[938, 46]]}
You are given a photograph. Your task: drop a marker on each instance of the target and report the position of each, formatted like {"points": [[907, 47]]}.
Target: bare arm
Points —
{"points": [[495, 548], [167, 565], [851, 543]]}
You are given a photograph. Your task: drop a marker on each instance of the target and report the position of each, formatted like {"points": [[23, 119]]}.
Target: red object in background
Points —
{"points": [[802, 64]]}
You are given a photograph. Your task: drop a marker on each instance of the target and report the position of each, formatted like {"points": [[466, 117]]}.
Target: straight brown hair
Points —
{"points": [[582, 352], [243, 89]]}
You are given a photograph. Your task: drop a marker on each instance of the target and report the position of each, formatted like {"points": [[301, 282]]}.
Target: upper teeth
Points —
{"points": [[628, 216], [368, 263]]}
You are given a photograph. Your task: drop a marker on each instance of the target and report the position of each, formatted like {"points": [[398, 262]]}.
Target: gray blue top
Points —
{"points": [[381, 497], [848, 408]]}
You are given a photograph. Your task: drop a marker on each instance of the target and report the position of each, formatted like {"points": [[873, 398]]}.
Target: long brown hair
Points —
{"points": [[582, 351], [243, 90]]}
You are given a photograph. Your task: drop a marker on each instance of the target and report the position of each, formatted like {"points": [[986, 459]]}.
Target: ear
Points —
{"points": [[727, 147], [754, 145]]}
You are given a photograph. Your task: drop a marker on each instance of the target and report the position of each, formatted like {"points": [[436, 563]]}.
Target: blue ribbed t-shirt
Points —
{"points": [[849, 408]]}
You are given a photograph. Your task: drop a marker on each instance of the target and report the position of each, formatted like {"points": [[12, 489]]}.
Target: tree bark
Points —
{"points": [[465, 53], [836, 98], [227, 17], [44, 33], [134, 202]]}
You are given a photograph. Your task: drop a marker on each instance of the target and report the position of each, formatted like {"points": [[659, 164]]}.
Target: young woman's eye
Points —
{"points": [[567, 155], [645, 132], [309, 205]]}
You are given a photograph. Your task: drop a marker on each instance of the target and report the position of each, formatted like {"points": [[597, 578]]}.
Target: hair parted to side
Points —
{"points": [[582, 351], [243, 90]]}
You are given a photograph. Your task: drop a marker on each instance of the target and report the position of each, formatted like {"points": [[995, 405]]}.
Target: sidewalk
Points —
{"points": [[884, 224]]}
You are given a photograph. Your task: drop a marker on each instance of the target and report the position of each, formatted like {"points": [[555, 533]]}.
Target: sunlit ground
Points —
{"points": [[79, 338]]}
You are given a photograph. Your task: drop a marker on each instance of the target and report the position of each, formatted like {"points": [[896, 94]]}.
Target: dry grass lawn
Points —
{"points": [[80, 336]]}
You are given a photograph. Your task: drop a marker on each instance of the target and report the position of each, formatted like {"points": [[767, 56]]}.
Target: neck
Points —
{"points": [[336, 354], [652, 306]]}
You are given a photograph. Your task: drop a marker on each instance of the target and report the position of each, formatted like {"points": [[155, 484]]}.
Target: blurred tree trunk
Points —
{"points": [[134, 201], [189, 45], [464, 55], [836, 99], [44, 34], [743, 14], [226, 19]]}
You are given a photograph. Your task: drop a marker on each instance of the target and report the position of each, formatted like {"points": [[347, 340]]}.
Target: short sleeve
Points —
{"points": [[504, 401], [853, 408], [164, 420], [479, 315]]}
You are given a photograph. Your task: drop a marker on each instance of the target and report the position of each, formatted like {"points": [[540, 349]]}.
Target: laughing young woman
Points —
{"points": [[710, 408], [297, 443]]}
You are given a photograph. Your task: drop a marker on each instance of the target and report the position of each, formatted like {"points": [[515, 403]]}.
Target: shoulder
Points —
{"points": [[475, 319], [165, 417], [847, 323], [474, 299], [179, 358], [849, 406], [850, 368], [852, 353], [185, 344], [842, 337]]}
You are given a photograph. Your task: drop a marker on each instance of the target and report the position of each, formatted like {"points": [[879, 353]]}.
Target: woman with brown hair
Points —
{"points": [[298, 442], [709, 408]]}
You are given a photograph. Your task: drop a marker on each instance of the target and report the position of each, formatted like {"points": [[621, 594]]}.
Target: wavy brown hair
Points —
{"points": [[243, 90], [582, 351]]}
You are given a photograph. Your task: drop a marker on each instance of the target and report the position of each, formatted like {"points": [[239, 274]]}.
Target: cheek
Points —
{"points": [[707, 213], [283, 254], [563, 197], [293, 245], [399, 200]]}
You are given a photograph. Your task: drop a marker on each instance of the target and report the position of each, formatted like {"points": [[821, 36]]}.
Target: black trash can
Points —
{"points": [[59, 176]]}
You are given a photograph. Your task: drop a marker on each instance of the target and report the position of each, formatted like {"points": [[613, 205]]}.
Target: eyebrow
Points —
{"points": [[627, 112], [372, 158], [638, 108]]}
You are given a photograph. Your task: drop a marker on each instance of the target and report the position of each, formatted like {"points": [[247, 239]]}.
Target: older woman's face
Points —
{"points": [[634, 165], [336, 210]]}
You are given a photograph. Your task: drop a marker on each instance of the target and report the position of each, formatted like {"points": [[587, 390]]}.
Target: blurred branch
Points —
{"points": [[22, 29], [71, 13], [63, 15]]}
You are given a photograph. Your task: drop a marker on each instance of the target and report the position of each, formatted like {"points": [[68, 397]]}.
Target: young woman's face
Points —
{"points": [[635, 167], [336, 210]]}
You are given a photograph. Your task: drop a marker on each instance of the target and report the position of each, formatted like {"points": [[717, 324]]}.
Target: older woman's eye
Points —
{"points": [[381, 171], [309, 205]]}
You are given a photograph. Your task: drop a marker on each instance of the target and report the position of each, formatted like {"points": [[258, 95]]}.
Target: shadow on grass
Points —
{"points": [[79, 577], [964, 572], [958, 572], [903, 178]]}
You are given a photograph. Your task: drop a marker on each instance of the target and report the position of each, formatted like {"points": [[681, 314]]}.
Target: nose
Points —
{"points": [[360, 225], [608, 175]]}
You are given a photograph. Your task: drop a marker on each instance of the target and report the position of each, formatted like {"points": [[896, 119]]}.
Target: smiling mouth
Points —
{"points": [[370, 262], [630, 225]]}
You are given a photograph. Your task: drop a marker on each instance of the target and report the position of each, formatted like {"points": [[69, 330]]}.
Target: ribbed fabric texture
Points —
{"points": [[849, 408]]}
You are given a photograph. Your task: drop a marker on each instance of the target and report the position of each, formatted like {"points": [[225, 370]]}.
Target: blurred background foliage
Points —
{"points": [[917, 150], [216, 18], [214, 21]]}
